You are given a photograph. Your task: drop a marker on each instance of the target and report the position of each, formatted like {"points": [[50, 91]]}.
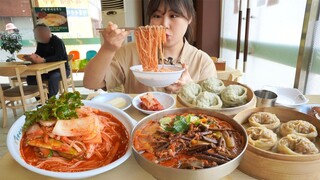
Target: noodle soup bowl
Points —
{"points": [[15, 136], [157, 79], [168, 173]]}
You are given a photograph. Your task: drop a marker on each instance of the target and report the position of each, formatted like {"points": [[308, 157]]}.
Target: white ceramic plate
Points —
{"points": [[166, 100], [107, 97], [289, 97], [306, 108], [15, 135]]}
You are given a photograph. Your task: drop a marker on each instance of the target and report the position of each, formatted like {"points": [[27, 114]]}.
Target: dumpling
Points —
{"points": [[264, 119], [212, 85], [190, 91], [299, 127], [208, 100], [234, 95], [296, 145], [261, 137]]}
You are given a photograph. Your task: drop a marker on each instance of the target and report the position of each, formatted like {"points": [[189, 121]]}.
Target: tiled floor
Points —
{"points": [[11, 120]]}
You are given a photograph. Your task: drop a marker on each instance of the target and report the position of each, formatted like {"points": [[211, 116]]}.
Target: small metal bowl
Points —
{"points": [[167, 173]]}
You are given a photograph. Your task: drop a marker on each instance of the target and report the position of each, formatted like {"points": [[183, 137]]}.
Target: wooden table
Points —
{"points": [[43, 68], [130, 169]]}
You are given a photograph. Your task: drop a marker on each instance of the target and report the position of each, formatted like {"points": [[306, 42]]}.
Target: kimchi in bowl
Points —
{"points": [[160, 78], [167, 149], [15, 135]]}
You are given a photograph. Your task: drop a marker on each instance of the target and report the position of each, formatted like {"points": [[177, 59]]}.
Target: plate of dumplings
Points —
{"points": [[227, 97], [280, 137]]}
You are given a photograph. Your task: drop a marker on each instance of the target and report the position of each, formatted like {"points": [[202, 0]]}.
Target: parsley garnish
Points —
{"points": [[63, 108]]}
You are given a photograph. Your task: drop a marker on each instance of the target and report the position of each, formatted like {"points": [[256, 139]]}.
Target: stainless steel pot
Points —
{"points": [[166, 173]]}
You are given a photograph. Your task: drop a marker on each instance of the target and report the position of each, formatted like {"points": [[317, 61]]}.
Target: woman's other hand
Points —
{"points": [[184, 79], [113, 37]]}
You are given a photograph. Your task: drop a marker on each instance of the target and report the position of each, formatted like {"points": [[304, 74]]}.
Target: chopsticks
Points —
{"points": [[246, 37], [125, 28], [239, 34]]}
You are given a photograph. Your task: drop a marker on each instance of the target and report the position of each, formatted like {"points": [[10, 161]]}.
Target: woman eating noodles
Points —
{"points": [[109, 69]]}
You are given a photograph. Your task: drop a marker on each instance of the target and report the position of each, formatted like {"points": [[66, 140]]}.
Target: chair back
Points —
{"points": [[76, 54], [90, 54]]}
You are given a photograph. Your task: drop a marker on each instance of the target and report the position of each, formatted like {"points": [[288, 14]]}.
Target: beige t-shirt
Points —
{"points": [[199, 63]]}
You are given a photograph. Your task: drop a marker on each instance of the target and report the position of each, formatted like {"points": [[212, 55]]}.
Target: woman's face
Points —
{"points": [[176, 25]]}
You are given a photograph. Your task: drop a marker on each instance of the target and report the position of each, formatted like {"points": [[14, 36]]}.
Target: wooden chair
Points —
{"points": [[18, 93], [70, 82]]}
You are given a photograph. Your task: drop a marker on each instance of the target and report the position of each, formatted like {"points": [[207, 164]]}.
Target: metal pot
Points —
{"points": [[162, 172]]}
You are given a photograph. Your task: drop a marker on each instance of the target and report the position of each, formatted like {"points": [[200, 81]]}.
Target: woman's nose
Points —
{"points": [[165, 22]]}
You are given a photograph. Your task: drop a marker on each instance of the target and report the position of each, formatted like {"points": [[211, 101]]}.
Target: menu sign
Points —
{"points": [[54, 17]]}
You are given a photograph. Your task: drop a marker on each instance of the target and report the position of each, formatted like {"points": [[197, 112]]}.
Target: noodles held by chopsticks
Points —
{"points": [[149, 41]]}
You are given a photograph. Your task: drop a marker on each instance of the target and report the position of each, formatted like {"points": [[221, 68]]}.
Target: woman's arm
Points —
{"points": [[95, 71]]}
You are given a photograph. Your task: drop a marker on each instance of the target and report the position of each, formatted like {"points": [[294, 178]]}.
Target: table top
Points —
{"points": [[10, 169]]}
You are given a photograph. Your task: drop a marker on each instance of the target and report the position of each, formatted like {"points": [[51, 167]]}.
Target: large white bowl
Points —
{"points": [[105, 97], [15, 135], [157, 79], [166, 100]]}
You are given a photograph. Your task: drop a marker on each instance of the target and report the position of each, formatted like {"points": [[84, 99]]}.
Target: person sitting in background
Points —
{"points": [[11, 28], [50, 48]]}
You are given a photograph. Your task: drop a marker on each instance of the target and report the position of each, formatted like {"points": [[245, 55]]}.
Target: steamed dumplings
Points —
{"points": [[212, 85], [234, 95], [212, 93], [208, 100], [261, 137], [299, 127], [264, 119], [293, 144], [190, 91]]}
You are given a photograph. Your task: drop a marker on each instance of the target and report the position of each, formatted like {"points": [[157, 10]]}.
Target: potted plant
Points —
{"points": [[11, 42]]}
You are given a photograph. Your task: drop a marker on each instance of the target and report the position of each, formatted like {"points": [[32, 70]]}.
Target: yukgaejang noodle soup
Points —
{"points": [[188, 141], [65, 136]]}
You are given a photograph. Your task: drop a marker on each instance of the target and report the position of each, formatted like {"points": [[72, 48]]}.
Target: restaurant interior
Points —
{"points": [[267, 59]]}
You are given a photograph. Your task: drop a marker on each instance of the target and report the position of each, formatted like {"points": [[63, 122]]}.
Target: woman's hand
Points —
{"points": [[184, 79], [113, 37]]}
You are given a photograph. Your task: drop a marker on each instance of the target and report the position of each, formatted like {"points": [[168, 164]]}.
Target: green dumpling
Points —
{"points": [[208, 100], [190, 91], [213, 85], [234, 95]]}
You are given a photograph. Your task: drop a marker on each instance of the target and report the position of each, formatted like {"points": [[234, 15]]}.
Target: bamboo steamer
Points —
{"points": [[232, 111], [264, 164]]}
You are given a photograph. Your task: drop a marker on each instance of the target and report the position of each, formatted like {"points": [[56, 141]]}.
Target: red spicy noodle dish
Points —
{"points": [[65, 136], [188, 141]]}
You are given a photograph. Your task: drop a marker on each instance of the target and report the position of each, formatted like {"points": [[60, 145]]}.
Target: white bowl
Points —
{"points": [[166, 100], [15, 135], [105, 97], [157, 79]]}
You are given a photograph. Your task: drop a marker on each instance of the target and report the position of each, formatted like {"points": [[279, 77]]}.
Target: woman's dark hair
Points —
{"points": [[182, 7]]}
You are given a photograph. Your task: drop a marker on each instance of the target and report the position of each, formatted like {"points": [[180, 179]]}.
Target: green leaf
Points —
{"points": [[63, 108]]}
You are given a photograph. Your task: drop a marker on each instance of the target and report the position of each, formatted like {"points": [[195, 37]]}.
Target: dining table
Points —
{"points": [[39, 69], [130, 169]]}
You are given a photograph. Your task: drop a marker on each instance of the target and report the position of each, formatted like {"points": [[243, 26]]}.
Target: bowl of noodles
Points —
{"points": [[188, 143], [80, 141], [163, 76]]}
